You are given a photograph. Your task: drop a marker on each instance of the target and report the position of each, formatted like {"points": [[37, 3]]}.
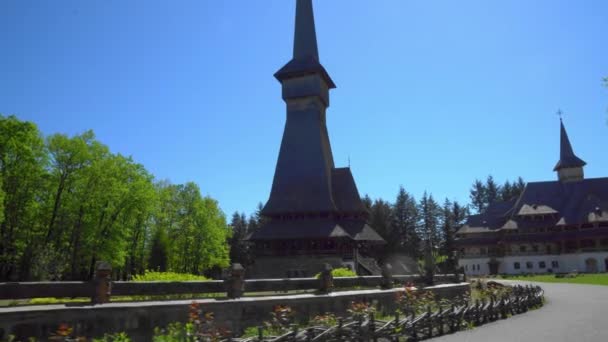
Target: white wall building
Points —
{"points": [[551, 227]]}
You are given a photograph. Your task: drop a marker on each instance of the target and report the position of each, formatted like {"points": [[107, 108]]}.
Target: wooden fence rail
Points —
{"points": [[102, 288]]}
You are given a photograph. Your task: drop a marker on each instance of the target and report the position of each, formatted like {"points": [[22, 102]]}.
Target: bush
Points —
{"points": [[167, 276], [340, 272]]}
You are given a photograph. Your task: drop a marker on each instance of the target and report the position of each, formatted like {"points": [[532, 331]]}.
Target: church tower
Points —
{"points": [[302, 179], [569, 167], [314, 214]]}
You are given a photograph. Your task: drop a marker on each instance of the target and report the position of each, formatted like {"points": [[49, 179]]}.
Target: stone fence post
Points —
{"points": [[326, 279], [102, 284], [235, 283], [387, 276]]}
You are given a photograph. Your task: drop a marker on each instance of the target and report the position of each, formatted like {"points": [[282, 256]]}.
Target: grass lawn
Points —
{"points": [[591, 279]]}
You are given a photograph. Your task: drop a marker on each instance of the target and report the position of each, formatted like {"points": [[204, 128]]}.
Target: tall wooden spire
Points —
{"points": [[302, 179], [305, 37]]}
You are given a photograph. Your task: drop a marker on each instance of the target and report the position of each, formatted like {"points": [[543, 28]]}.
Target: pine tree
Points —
{"points": [[447, 228], [492, 191], [238, 247], [518, 187], [381, 219], [506, 191], [428, 227], [459, 213], [405, 217], [367, 202], [478, 196], [429, 220]]}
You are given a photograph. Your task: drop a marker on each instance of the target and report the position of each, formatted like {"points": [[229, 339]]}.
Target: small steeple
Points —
{"points": [[569, 166]]}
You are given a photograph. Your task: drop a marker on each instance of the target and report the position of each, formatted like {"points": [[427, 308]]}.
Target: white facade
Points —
{"points": [[590, 262]]}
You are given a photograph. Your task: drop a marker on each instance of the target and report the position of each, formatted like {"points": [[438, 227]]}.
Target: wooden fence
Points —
{"points": [[102, 289], [414, 328]]}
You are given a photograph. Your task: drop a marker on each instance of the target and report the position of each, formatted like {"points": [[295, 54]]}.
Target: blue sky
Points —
{"points": [[431, 94]]}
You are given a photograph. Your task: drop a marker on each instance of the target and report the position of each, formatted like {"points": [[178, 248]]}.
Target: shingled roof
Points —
{"points": [[345, 193], [550, 203], [356, 230]]}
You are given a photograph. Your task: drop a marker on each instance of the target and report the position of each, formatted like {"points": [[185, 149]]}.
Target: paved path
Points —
{"points": [[572, 313]]}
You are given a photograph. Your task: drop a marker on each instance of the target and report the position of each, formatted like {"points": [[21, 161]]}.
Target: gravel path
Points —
{"points": [[571, 313]]}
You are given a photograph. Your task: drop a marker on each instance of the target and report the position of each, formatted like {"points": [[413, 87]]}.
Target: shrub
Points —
{"points": [[340, 272], [167, 276]]}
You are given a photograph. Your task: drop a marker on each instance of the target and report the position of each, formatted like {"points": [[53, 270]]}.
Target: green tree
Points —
{"points": [[381, 219], [429, 213], [367, 202], [22, 169], [453, 216], [492, 191], [518, 187], [405, 220], [238, 247], [477, 194], [159, 254]]}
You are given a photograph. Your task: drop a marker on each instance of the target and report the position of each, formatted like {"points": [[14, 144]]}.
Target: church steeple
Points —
{"points": [[305, 37], [569, 167], [305, 60], [303, 176]]}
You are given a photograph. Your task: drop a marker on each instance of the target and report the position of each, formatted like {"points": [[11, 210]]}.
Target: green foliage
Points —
{"points": [[483, 194], [590, 279], [404, 237], [167, 276], [119, 337], [175, 332], [52, 300], [340, 272], [343, 272], [281, 319], [67, 202], [159, 253], [239, 251]]}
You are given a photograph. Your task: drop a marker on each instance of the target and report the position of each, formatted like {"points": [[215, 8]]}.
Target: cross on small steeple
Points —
{"points": [[559, 113]]}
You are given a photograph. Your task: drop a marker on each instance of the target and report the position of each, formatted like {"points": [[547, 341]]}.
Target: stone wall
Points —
{"points": [[139, 319], [279, 266]]}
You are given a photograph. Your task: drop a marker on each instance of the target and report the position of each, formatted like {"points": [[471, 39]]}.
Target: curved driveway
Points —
{"points": [[571, 313]]}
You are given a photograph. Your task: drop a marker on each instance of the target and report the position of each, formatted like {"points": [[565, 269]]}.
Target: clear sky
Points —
{"points": [[430, 94]]}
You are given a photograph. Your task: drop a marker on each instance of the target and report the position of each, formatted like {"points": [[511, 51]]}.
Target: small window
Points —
{"points": [[554, 264], [516, 265], [466, 267], [478, 267], [535, 248], [522, 248], [482, 251], [529, 264], [541, 264]]}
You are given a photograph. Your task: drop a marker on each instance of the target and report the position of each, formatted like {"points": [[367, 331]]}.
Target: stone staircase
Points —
{"points": [[369, 265]]}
